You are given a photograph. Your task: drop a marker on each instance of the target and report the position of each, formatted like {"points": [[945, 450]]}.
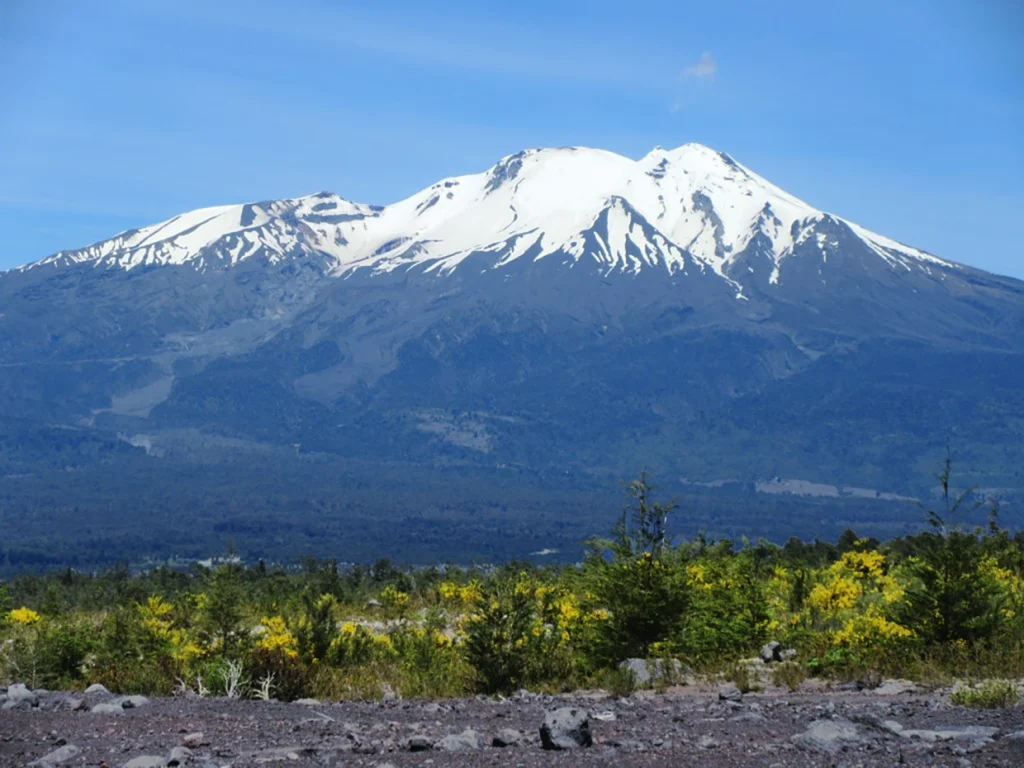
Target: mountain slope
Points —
{"points": [[567, 309]]}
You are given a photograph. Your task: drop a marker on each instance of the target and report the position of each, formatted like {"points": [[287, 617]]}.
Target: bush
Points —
{"points": [[619, 681], [989, 694], [289, 677], [789, 674]]}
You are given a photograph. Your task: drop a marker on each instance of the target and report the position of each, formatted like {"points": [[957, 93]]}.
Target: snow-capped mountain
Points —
{"points": [[677, 211], [565, 309]]}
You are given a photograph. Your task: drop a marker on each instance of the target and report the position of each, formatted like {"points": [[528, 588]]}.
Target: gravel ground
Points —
{"points": [[681, 727]]}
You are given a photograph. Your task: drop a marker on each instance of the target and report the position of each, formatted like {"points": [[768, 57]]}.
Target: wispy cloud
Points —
{"points": [[704, 69]]}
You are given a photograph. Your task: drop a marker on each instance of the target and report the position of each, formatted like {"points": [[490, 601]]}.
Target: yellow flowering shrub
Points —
{"points": [[391, 597], [277, 638], [24, 616], [459, 595], [850, 603], [160, 634], [1010, 586], [354, 644]]}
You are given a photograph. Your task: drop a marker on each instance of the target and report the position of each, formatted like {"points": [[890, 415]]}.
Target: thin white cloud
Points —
{"points": [[704, 69]]}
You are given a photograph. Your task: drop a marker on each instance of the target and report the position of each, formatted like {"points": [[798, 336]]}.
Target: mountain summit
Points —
{"points": [[682, 210], [567, 310]]}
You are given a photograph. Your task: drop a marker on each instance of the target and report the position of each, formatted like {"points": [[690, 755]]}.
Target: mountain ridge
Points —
{"points": [[542, 201]]}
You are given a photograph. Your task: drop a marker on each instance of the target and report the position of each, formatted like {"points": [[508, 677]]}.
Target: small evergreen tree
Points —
{"points": [[951, 600], [636, 575], [222, 610]]}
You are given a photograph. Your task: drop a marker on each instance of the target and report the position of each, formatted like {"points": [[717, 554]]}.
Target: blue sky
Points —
{"points": [[903, 116]]}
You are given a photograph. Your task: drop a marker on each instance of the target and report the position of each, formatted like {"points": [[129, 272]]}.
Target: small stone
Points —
{"points": [[830, 736], [19, 694], [566, 728], [107, 708], [748, 717], [179, 756], [461, 742], [96, 689], [730, 692], [194, 740], [132, 702], [507, 737], [146, 761], [307, 702], [895, 687], [58, 756], [19, 704], [1016, 741], [419, 744]]}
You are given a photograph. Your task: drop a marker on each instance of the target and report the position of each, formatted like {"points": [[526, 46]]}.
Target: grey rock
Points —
{"points": [[179, 756], [20, 704], [18, 693], [146, 761], [830, 736], [648, 671], [972, 733], [850, 685], [58, 756], [748, 717], [132, 702], [307, 702], [895, 687], [107, 708], [566, 728], [629, 745], [194, 740], [771, 652], [96, 689], [638, 668], [419, 744], [507, 737], [1016, 741], [730, 692], [461, 742]]}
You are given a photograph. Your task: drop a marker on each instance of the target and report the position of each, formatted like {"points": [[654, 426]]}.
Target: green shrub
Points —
{"points": [[289, 676], [743, 676], [989, 694], [64, 649], [500, 643], [619, 681], [789, 674]]}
